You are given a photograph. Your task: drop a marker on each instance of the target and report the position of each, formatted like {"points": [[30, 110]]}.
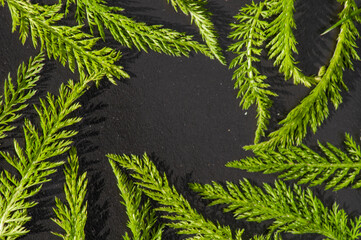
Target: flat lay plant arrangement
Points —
{"points": [[263, 26]]}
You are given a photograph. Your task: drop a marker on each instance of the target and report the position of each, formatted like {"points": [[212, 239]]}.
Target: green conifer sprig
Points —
{"points": [[250, 33], [292, 210], [337, 169], [184, 218], [72, 217], [313, 109], [282, 46], [202, 19], [135, 34], [142, 219], [31, 162], [15, 96], [66, 44]]}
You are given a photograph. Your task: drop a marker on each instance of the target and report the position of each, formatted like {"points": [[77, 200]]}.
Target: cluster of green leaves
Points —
{"points": [[173, 205], [288, 209], [253, 29], [31, 162]]}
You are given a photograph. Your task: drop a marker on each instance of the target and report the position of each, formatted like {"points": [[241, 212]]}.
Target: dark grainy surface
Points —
{"points": [[183, 112]]}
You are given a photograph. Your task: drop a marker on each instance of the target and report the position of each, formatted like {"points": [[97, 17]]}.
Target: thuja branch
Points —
{"points": [[135, 34], [337, 168], [67, 44], [202, 19], [184, 218], [291, 210], [31, 162], [313, 109], [15, 96], [250, 33]]}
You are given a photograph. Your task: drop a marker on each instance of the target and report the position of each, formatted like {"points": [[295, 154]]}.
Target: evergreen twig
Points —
{"points": [[313, 109], [250, 33], [72, 218], [15, 96], [184, 218], [292, 210], [66, 44], [283, 44], [337, 169], [135, 34], [142, 219], [31, 162], [202, 19]]}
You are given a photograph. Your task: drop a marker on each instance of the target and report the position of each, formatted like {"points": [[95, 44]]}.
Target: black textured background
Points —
{"points": [[184, 113]]}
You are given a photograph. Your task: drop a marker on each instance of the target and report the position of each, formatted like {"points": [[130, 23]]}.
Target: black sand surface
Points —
{"points": [[184, 113]]}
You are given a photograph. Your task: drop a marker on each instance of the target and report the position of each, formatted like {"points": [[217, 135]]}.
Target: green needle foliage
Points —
{"points": [[337, 169], [313, 109], [183, 217], [250, 33], [142, 219], [66, 44], [31, 162], [135, 34], [202, 19], [72, 218], [15, 96], [292, 210], [283, 42]]}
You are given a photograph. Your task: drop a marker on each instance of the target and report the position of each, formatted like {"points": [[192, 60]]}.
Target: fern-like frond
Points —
{"points": [[66, 44], [72, 217], [15, 96], [250, 35], [292, 210], [313, 109], [142, 219], [184, 218], [283, 43], [135, 34], [202, 19], [337, 169], [31, 162]]}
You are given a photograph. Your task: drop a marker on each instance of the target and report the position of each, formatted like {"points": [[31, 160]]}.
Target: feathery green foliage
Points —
{"points": [[337, 169], [283, 44], [250, 33], [135, 34], [142, 219], [31, 162], [15, 96], [72, 218], [184, 218], [66, 44], [313, 109], [202, 19], [292, 210]]}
